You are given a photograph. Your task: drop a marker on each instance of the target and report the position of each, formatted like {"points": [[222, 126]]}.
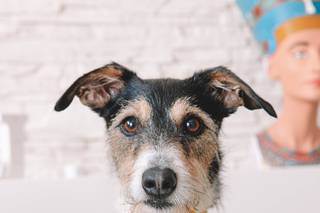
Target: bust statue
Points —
{"points": [[289, 34]]}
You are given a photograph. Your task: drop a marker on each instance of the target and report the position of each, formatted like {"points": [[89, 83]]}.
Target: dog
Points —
{"points": [[164, 133]]}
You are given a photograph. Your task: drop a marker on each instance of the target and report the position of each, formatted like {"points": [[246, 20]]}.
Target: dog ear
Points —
{"points": [[96, 88], [233, 92]]}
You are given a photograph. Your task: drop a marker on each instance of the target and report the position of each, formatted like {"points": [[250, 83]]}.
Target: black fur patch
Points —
{"points": [[215, 166]]}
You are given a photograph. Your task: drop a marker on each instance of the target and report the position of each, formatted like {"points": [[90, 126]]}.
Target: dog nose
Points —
{"points": [[159, 183]]}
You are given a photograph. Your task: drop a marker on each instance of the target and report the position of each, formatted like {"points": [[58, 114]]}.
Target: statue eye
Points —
{"points": [[129, 126], [192, 125], [300, 54]]}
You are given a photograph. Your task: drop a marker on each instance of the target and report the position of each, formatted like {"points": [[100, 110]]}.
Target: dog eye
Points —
{"points": [[192, 125], [129, 126]]}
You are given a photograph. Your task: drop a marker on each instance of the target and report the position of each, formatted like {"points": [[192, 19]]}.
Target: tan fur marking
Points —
{"points": [[232, 88], [202, 151], [197, 164], [124, 154], [124, 150], [139, 108], [92, 91], [182, 107], [103, 72]]}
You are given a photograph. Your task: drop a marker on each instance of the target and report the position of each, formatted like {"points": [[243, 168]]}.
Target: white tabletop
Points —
{"points": [[293, 190], [247, 191]]}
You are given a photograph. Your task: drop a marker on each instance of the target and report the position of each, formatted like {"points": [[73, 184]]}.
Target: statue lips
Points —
{"points": [[315, 82]]}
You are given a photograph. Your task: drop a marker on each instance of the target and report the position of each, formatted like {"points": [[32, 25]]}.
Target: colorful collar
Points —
{"points": [[282, 156]]}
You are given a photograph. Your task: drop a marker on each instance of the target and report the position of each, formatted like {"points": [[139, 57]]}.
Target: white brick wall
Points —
{"points": [[46, 44]]}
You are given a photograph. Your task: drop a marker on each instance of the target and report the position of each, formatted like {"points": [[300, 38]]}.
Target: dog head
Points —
{"points": [[163, 133]]}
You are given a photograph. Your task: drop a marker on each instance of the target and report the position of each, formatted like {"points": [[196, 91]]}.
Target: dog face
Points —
{"points": [[163, 133]]}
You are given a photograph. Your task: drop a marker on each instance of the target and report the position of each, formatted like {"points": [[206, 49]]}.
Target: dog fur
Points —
{"points": [[161, 108]]}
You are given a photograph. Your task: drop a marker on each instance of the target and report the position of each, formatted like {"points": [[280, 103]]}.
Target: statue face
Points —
{"points": [[296, 64]]}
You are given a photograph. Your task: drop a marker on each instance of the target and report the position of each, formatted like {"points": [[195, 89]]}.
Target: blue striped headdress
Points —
{"points": [[272, 20]]}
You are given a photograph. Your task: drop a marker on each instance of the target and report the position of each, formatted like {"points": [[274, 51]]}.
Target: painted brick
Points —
{"points": [[46, 45]]}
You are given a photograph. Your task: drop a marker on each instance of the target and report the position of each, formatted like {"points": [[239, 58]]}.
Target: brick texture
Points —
{"points": [[46, 44]]}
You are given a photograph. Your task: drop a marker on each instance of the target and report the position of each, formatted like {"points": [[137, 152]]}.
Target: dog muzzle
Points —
{"points": [[194, 211]]}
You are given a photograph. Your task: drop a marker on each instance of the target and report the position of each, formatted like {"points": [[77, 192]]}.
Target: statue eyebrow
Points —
{"points": [[299, 43]]}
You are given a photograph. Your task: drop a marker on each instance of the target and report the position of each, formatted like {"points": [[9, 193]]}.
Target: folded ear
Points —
{"points": [[96, 88], [232, 91]]}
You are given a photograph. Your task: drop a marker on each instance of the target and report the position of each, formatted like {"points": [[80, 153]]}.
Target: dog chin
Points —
{"points": [[158, 206]]}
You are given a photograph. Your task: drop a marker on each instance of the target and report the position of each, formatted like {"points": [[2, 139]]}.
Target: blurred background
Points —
{"points": [[46, 44]]}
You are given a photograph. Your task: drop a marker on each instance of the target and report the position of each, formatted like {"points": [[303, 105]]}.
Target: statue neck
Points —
{"points": [[296, 127]]}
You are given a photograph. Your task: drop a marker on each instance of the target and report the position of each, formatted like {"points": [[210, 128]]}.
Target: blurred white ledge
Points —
{"points": [[245, 191]]}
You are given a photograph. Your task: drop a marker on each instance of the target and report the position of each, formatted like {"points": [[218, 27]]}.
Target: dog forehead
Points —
{"points": [[173, 99], [175, 94], [167, 96], [159, 96], [165, 91]]}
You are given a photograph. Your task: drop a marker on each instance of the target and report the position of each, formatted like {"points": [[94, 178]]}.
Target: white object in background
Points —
{"points": [[309, 7], [5, 147], [71, 171]]}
